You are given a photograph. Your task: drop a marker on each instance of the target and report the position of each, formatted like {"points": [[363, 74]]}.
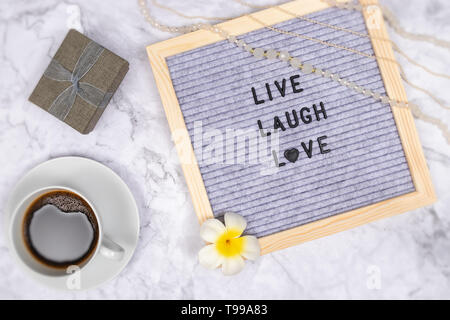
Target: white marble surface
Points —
{"points": [[410, 252]]}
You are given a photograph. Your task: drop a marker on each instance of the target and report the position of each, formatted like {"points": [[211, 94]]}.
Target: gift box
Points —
{"points": [[79, 82]]}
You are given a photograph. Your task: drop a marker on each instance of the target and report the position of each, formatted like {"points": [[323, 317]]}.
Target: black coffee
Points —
{"points": [[60, 229]]}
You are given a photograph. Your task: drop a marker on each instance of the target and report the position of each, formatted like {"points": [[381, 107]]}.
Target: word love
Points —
{"points": [[292, 154]]}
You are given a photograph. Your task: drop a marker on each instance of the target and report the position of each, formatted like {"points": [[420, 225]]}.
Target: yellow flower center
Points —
{"points": [[228, 245]]}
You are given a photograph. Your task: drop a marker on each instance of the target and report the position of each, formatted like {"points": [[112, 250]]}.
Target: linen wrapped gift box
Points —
{"points": [[79, 82]]}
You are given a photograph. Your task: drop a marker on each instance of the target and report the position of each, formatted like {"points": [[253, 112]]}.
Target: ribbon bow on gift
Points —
{"points": [[61, 106]]}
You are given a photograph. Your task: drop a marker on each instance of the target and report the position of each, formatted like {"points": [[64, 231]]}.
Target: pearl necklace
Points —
{"points": [[261, 53], [270, 54]]}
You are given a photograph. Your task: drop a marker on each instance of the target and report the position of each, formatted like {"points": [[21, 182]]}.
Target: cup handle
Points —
{"points": [[111, 250]]}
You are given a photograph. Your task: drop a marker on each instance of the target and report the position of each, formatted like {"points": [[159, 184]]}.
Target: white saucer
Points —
{"points": [[110, 196]]}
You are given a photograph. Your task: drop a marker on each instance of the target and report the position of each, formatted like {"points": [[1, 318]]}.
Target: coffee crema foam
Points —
{"points": [[60, 229]]}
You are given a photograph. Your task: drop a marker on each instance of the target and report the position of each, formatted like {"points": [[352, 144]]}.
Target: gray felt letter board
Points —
{"points": [[349, 154]]}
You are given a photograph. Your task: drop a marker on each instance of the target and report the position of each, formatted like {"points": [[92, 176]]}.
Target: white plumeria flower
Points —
{"points": [[227, 249]]}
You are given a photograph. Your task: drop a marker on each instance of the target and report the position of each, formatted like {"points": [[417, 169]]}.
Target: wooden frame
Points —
{"points": [[424, 194]]}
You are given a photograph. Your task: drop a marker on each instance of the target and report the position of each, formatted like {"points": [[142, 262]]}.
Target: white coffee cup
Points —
{"points": [[105, 246]]}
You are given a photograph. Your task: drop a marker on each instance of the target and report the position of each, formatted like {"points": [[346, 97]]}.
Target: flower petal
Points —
{"points": [[209, 257], [235, 222], [251, 250], [231, 266], [211, 230]]}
